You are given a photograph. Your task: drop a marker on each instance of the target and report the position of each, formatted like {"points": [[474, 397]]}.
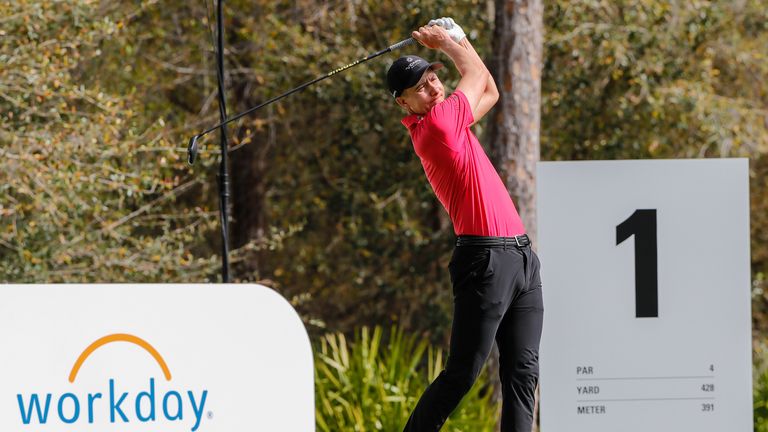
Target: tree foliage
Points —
{"points": [[88, 179], [655, 79], [97, 101]]}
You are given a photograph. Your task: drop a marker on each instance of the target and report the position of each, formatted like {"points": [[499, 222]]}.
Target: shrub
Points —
{"points": [[760, 392], [364, 386]]}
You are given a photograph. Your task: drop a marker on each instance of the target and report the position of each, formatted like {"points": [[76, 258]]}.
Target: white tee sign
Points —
{"points": [[646, 278], [199, 358]]}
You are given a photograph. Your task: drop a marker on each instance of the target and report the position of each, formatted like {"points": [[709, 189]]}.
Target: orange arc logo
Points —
{"points": [[119, 337]]}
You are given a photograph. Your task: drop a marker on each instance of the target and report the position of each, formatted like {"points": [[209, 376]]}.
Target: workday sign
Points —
{"points": [[152, 357], [35, 408]]}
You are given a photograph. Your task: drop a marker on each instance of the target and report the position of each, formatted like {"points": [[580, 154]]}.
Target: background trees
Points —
{"points": [[97, 100], [89, 181]]}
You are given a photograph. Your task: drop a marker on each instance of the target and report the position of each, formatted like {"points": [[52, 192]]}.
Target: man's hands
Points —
{"points": [[476, 82], [454, 30], [434, 37]]}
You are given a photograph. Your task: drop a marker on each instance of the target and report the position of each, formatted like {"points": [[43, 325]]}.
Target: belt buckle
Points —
{"points": [[517, 242]]}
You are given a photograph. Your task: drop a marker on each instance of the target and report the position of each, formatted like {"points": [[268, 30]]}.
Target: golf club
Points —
{"points": [[192, 148]]}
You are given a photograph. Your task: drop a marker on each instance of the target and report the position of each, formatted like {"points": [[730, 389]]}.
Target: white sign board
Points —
{"points": [[646, 275], [153, 358]]}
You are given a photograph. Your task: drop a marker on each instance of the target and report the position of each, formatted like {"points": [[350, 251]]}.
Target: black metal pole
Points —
{"points": [[224, 166]]}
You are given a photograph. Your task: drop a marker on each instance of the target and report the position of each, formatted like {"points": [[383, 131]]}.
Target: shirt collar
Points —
{"points": [[410, 120]]}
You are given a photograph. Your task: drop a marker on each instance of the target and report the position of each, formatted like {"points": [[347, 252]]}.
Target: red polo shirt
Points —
{"points": [[462, 176]]}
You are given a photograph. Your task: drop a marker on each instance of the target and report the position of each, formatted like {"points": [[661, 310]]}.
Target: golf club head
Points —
{"points": [[192, 150]]}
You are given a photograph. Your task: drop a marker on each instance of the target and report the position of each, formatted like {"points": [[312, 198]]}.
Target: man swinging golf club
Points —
{"points": [[494, 272]]}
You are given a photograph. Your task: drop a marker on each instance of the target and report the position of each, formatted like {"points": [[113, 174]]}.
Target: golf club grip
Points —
{"points": [[403, 43]]}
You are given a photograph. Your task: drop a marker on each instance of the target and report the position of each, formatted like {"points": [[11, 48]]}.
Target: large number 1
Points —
{"points": [[642, 224]]}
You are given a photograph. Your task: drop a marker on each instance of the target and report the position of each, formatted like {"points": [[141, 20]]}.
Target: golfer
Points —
{"points": [[494, 272]]}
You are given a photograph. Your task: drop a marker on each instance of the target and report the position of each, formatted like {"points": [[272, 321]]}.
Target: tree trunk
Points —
{"points": [[513, 134], [249, 188], [513, 130]]}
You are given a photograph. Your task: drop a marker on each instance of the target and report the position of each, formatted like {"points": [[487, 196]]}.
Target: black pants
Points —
{"points": [[496, 295]]}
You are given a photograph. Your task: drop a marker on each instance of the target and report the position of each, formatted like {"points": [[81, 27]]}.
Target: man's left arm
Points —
{"points": [[491, 94]]}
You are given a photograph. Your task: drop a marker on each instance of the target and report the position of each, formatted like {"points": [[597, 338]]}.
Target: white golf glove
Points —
{"points": [[454, 30]]}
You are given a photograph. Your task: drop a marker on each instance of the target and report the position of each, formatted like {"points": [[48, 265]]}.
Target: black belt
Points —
{"points": [[470, 240]]}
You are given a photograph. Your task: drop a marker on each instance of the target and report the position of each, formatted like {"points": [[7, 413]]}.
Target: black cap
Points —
{"points": [[406, 71]]}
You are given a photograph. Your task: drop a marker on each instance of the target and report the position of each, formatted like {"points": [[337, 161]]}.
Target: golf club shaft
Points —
{"points": [[398, 45]]}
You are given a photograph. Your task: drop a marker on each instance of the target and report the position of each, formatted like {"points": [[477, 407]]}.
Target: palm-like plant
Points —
{"points": [[364, 386], [760, 397]]}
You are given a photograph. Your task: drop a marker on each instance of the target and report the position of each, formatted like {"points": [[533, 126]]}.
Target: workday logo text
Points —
{"points": [[110, 403]]}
